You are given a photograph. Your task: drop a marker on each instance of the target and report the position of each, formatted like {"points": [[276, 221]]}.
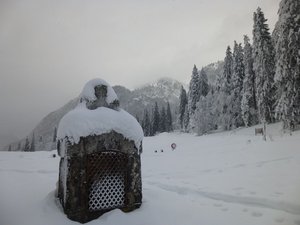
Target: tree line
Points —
{"points": [[158, 121], [260, 82]]}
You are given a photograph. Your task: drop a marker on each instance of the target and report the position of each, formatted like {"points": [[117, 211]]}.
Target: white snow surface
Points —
{"points": [[224, 178], [82, 122], [88, 92]]}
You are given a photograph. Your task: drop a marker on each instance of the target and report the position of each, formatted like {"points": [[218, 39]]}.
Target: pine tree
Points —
{"points": [[248, 104], [169, 121], [183, 103], [186, 119], [55, 134], [203, 83], [225, 95], [32, 146], [26, 146], [194, 91], [238, 75], [163, 120], [155, 120], [204, 114], [193, 97], [287, 77], [146, 124], [227, 72], [263, 65]]}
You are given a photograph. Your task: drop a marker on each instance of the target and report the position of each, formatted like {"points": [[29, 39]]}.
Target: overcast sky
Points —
{"points": [[50, 48]]}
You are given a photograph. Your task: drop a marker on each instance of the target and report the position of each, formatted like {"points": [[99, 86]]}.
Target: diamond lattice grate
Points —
{"points": [[106, 176]]}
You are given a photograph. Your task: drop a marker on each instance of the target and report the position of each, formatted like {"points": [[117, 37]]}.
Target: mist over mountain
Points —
{"points": [[6, 139], [135, 102]]}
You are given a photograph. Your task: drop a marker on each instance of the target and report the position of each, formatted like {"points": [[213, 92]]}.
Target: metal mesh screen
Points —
{"points": [[107, 178]]}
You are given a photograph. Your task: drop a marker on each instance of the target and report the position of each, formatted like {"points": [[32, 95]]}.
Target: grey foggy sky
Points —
{"points": [[50, 48]]}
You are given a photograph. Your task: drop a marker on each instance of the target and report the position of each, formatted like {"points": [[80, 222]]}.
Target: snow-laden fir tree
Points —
{"points": [[186, 119], [193, 96], [203, 83], [201, 113], [227, 72], [183, 101], [287, 77], [26, 146], [237, 85], [169, 120], [225, 93], [263, 66], [146, 124], [248, 104], [162, 120], [194, 92], [155, 119], [55, 134], [204, 114], [32, 146]]}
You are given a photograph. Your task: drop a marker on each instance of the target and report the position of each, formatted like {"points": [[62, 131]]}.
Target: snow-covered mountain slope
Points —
{"points": [[223, 178], [135, 102], [162, 91], [213, 70]]}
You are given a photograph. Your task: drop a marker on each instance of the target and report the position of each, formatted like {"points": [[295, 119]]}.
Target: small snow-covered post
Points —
{"points": [[265, 132], [100, 146]]}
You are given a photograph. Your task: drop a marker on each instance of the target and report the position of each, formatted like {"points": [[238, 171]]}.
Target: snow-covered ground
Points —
{"points": [[224, 178]]}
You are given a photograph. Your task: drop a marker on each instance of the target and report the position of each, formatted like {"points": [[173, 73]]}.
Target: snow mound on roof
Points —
{"points": [[83, 122], [88, 92]]}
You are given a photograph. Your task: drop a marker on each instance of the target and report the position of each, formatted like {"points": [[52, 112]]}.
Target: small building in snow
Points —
{"points": [[100, 146]]}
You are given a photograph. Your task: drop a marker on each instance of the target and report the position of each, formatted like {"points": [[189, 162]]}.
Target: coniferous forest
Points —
{"points": [[260, 82]]}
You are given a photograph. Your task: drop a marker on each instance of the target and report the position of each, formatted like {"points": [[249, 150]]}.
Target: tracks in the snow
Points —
{"points": [[243, 200]]}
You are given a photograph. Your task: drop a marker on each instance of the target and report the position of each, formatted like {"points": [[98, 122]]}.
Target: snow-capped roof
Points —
{"points": [[88, 92], [82, 122]]}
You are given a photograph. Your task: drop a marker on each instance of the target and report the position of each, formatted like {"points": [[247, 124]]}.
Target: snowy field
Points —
{"points": [[225, 178]]}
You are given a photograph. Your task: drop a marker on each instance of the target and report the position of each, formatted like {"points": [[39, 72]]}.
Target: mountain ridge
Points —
{"points": [[134, 101]]}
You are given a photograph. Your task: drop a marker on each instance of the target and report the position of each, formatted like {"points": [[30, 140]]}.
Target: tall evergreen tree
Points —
{"points": [[227, 72], [263, 65], [225, 94], [26, 146], [169, 121], [32, 146], [193, 97], [55, 134], [163, 120], [248, 104], [194, 91], [238, 74], [183, 103], [203, 83], [186, 119], [146, 124], [155, 120], [204, 114], [287, 77]]}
